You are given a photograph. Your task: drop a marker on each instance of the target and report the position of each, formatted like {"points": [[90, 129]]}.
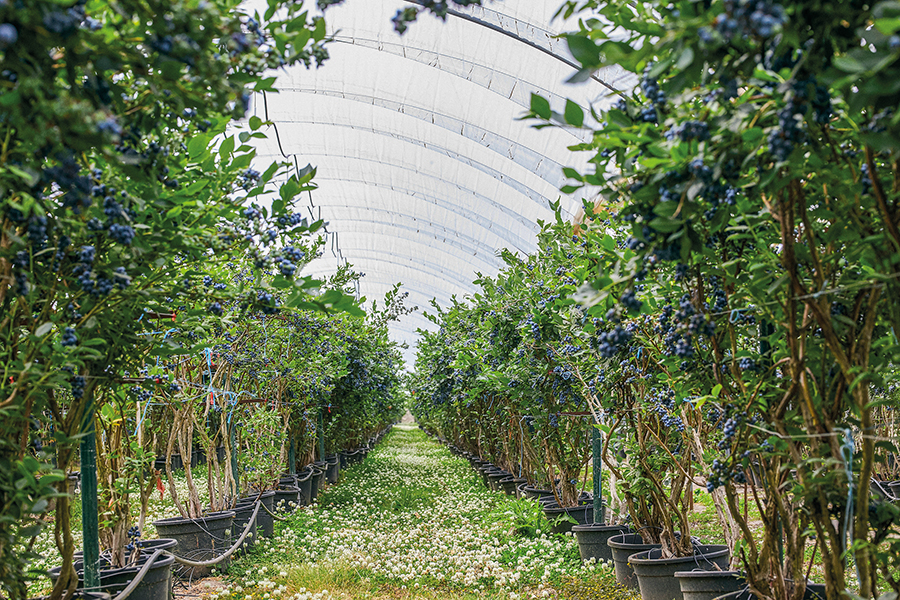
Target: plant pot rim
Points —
{"points": [[557, 510], [531, 488], [699, 573], [600, 527], [110, 571], [711, 551], [255, 497], [213, 516], [614, 542], [158, 544]]}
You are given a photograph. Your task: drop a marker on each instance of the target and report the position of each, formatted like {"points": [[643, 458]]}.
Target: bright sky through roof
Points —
{"points": [[424, 171]]}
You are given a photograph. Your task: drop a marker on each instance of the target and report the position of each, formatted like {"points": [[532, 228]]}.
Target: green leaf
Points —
{"points": [[197, 146], [44, 329], [665, 225], [196, 187], [255, 122], [686, 58], [540, 106], [318, 33], [226, 147], [572, 174], [574, 114], [584, 50]]}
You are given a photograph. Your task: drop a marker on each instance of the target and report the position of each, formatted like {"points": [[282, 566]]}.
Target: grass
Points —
{"points": [[415, 522]]}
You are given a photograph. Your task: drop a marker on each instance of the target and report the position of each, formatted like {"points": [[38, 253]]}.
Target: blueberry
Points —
{"points": [[9, 35], [69, 338]]}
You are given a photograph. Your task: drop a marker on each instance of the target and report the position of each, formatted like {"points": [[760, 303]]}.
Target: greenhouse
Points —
{"points": [[449, 299]]}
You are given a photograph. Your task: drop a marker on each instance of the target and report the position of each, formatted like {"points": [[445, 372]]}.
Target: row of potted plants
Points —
{"points": [[704, 575], [142, 245], [688, 393], [207, 538]]}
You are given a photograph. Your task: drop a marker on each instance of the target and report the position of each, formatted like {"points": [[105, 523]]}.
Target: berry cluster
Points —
{"points": [[134, 538], [77, 384], [609, 343], [653, 93], [69, 338], [722, 473], [689, 130], [789, 131], [759, 18]]}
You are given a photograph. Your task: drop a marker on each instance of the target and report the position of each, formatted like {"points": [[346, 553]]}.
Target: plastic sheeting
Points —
{"points": [[424, 169]]}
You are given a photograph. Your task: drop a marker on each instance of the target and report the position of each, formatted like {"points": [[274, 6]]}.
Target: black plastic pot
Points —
{"points": [[333, 469], [814, 591], [483, 470], [532, 492], [357, 456], [264, 520], [583, 515], [520, 490], [242, 514], [317, 477], [155, 585], [894, 489], [622, 547], [287, 499], [656, 575], [305, 484], [82, 595], [177, 463], [708, 585], [494, 478], [592, 539], [199, 539], [509, 484]]}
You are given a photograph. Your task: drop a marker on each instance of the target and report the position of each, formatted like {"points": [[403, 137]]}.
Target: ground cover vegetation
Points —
{"points": [[415, 521], [727, 310]]}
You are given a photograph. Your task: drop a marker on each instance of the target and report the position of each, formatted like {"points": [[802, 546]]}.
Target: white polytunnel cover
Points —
{"points": [[424, 170]]}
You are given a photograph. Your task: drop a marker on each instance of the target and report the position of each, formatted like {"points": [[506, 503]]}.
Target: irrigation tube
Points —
{"points": [[139, 577], [271, 514], [215, 561]]}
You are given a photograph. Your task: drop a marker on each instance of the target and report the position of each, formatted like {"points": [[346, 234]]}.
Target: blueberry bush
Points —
{"points": [[733, 317]]}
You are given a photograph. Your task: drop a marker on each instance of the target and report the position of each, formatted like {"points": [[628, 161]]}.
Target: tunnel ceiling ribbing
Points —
{"points": [[424, 169]]}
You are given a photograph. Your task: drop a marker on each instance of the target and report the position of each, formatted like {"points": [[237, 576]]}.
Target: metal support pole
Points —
{"points": [[320, 428], [292, 457], [90, 527], [597, 450]]}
